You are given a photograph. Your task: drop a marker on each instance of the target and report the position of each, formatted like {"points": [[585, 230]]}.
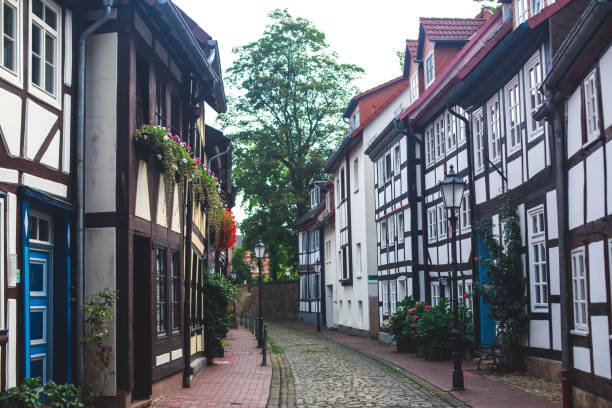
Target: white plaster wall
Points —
{"points": [[515, 173], [67, 125], [480, 190], [100, 273], [574, 123], [51, 157], [11, 349], [601, 346], [101, 123], [575, 183], [582, 359], [555, 312], [551, 214], [58, 189], [143, 206], [595, 188], [10, 106], [609, 177], [605, 67], [597, 273], [536, 159], [9, 176], [68, 48], [553, 265], [39, 122], [539, 334]]}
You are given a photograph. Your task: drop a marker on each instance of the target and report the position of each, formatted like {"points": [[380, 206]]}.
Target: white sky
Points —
{"points": [[365, 33]]}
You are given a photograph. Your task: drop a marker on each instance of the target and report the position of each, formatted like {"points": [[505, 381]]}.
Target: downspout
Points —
{"points": [[560, 180], [473, 235], [80, 224]]}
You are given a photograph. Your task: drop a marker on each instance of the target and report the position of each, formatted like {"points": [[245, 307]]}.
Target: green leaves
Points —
{"points": [[285, 116]]}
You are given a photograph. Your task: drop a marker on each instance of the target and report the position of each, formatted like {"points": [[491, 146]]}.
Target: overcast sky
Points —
{"points": [[365, 33]]}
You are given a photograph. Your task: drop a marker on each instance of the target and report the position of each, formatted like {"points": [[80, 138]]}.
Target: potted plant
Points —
{"points": [[433, 332], [402, 324], [218, 294]]}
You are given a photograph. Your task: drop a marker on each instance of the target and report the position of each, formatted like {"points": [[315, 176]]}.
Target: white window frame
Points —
{"points": [[465, 216], [442, 221], [451, 132], [430, 146], [579, 298], [400, 227], [383, 233], [388, 170], [315, 196], [414, 87], [432, 226], [435, 293], [13, 76], [385, 297], [536, 6], [535, 128], [397, 159], [440, 139], [354, 121], [391, 230], [460, 126], [429, 81], [538, 260], [380, 179], [513, 115], [469, 291], [591, 107], [479, 141], [33, 89], [393, 295], [49, 220], [520, 11], [359, 259], [356, 175], [494, 130]]}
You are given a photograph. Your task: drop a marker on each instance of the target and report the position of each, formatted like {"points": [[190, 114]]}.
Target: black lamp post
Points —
{"points": [[452, 188], [317, 268], [260, 251]]}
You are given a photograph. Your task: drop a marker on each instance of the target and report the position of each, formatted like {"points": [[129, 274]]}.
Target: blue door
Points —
{"points": [[487, 324], [39, 321]]}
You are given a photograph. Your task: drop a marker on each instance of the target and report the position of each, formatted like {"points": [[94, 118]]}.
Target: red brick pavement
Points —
{"points": [[480, 392], [238, 380]]}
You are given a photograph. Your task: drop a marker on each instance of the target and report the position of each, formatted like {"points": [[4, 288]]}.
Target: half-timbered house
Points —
{"points": [[37, 106], [511, 153], [311, 268], [150, 64], [579, 103], [355, 225]]}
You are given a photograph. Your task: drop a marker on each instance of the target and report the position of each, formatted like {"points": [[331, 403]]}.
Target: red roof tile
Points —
{"points": [[453, 29], [200, 35]]}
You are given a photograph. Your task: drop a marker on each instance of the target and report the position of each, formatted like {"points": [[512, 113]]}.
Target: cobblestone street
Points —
{"points": [[327, 374]]}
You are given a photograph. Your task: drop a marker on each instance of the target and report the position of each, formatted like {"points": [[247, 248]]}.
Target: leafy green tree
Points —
{"points": [[401, 55], [239, 266], [285, 117], [492, 5]]}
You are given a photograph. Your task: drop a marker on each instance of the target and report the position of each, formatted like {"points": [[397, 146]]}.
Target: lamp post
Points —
{"points": [[260, 251], [317, 268], [451, 189]]}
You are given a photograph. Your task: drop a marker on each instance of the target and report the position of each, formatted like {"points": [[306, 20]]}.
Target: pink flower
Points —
{"points": [[418, 303], [169, 143], [188, 148], [416, 317], [197, 161], [216, 179], [412, 325], [427, 307], [409, 311]]}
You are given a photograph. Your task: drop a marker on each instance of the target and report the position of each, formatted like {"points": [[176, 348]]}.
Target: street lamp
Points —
{"points": [[260, 251], [452, 188], [317, 268]]}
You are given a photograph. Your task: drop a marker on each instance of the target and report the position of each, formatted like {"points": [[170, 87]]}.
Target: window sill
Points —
{"points": [[580, 333]]}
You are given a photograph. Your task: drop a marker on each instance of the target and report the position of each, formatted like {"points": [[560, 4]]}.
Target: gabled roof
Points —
{"points": [[412, 47], [447, 29], [371, 95]]}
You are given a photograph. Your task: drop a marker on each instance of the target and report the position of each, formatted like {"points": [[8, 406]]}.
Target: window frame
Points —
{"points": [[435, 293], [520, 16], [440, 139], [161, 278], [465, 212], [460, 126], [479, 140], [494, 136], [385, 298], [356, 175], [400, 227], [578, 313], [397, 159], [53, 99], [432, 224], [430, 146], [315, 196], [15, 76], [175, 326], [414, 87], [442, 221], [533, 6], [534, 128], [429, 81], [450, 121], [384, 233], [513, 109], [538, 267], [393, 296], [595, 133]]}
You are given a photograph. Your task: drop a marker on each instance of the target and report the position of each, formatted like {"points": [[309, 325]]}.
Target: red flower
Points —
{"points": [[427, 307], [465, 296]]}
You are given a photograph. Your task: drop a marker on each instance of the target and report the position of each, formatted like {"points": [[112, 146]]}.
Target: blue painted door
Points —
{"points": [[487, 324], [39, 321]]}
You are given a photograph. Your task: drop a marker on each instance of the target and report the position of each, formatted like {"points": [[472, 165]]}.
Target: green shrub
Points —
{"points": [[433, 329], [30, 394]]}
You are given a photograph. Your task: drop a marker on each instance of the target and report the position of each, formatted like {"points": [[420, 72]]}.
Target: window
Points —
{"points": [[175, 291], [44, 47], [429, 69], [536, 6], [400, 227], [514, 115], [359, 264], [385, 297], [442, 229], [40, 228], [414, 87], [315, 193], [494, 131], [440, 142], [160, 104], [356, 175], [175, 114], [461, 125], [393, 295], [430, 146], [468, 290], [345, 271], [160, 291], [383, 234], [478, 142], [142, 91], [397, 160], [451, 131], [354, 121], [591, 107], [520, 11], [329, 205], [432, 231], [466, 217], [537, 255], [10, 23], [342, 185], [534, 73], [379, 172], [391, 228], [388, 167], [435, 293], [579, 289], [315, 235]]}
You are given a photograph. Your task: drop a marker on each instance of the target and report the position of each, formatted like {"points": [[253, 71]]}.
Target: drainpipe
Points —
{"points": [[560, 180], [81, 182]]}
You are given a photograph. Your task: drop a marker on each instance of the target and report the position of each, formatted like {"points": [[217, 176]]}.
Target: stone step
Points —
{"points": [[141, 403]]}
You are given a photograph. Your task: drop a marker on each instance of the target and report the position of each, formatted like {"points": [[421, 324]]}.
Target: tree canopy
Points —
{"points": [[285, 118]]}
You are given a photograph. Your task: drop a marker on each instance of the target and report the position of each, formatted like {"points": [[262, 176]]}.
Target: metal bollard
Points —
{"points": [[264, 345]]}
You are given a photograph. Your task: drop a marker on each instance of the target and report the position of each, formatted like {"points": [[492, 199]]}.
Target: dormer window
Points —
{"points": [[354, 121], [414, 87], [315, 196], [430, 74], [536, 6], [520, 11]]}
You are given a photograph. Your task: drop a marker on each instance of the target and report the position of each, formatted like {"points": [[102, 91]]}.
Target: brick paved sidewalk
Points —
{"points": [[480, 391], [238, 380]]}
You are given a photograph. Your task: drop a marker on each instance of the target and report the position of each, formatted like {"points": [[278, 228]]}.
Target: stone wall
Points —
{"points": [[280, 300]]}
